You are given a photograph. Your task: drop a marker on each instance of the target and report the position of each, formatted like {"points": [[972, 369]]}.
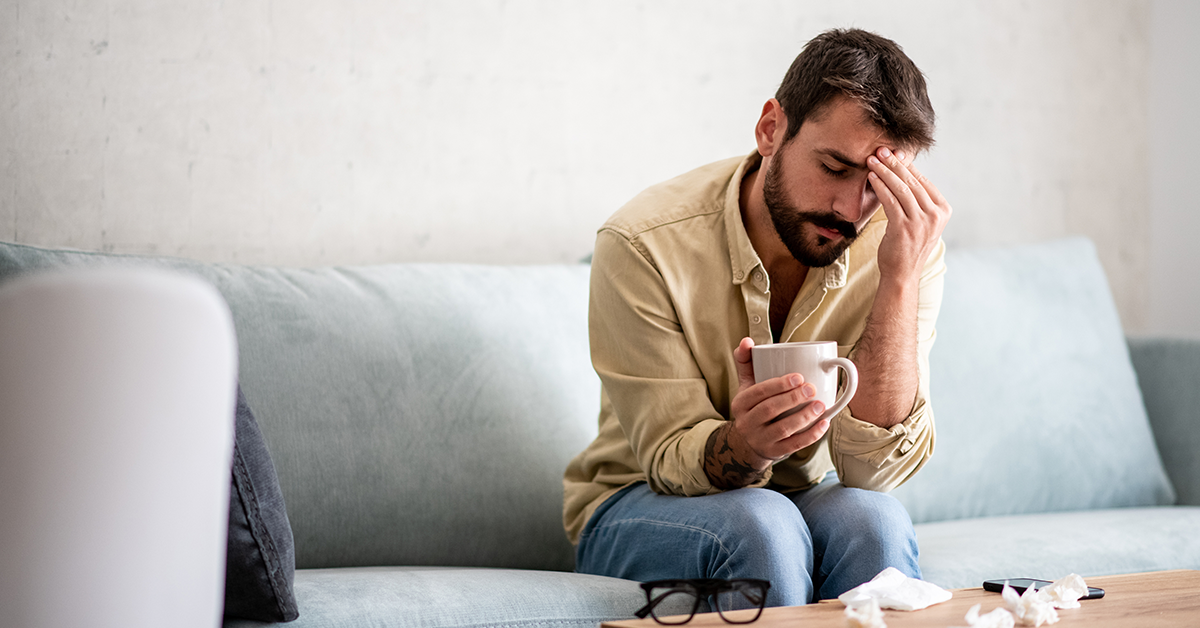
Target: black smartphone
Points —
{"points": [[1020, 584]]}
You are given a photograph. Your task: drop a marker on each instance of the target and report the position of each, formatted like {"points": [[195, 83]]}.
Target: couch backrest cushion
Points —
{"points": [[1036, 403], [417, 414]]}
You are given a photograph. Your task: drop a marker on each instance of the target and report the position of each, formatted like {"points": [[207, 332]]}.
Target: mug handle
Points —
{"points": [[851, 384]]}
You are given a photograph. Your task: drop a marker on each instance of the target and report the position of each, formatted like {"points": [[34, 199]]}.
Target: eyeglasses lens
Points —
{"points": [[741, 602], [672, 605]]}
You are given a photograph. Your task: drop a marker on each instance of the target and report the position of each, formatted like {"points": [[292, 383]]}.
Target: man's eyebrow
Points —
{"points": [[841, 157]]}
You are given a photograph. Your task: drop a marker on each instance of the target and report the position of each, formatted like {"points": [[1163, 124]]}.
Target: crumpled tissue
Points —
{"points": [[1065, 592], [998, 618], [1032, 608], [867, 615], [892, 589]]}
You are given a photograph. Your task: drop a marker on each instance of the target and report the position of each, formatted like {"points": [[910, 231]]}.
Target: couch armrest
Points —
{"points": [[1168, 371]]}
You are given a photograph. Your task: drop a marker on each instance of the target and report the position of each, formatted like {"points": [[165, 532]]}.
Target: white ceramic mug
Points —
{"points": [[817, 361]]}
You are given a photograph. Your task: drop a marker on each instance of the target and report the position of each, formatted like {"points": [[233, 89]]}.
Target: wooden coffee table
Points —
{"points": [[1164, 599]]}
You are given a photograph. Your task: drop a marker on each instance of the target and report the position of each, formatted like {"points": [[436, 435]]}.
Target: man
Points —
{"points": [[693, 475]]}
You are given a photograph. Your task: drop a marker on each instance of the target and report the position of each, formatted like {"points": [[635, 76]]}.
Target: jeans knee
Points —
{"points": [[860, 520], [887, 528], [759, 508], [859, 533], [764, 518], [872, 511], [886, 516], [768, 539]]}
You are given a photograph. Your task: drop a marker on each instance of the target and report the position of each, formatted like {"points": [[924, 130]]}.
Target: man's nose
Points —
{"points": [[854, 200]]}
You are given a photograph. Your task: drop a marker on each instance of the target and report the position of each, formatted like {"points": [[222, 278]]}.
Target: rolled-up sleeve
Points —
{"points": [[650, 376], [880, 459]]}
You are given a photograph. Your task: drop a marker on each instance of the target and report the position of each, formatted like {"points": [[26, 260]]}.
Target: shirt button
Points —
{"points": [[757, 276], [739, 274], [757, 319]]}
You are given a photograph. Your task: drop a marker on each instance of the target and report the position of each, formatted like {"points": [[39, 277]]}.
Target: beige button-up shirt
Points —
{"points": [[675, 286]]}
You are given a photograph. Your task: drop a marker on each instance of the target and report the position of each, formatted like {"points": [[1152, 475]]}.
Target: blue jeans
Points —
{"points": [[812, 544]]}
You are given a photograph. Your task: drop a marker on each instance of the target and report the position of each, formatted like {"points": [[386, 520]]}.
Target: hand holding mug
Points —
{"points": [[786, 396]]}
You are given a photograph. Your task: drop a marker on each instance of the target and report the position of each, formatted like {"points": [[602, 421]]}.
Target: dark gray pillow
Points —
{"points": [[260, 563]]}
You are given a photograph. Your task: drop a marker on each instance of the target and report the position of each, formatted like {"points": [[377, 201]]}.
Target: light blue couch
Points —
{"points": [[420, 417]]}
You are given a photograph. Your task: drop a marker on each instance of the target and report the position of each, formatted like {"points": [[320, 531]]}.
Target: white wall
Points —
{"points": [[319, 132], [1174, 272]]}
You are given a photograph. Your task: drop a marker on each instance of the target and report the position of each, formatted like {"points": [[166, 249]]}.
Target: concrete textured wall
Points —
{"points": [[311, 132], [1174, 264]]}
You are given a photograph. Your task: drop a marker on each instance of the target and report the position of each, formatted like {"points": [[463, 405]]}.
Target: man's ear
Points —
{"points": [[771, 128]]}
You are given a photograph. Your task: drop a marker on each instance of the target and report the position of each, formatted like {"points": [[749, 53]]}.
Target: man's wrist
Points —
{"points": [[900, 280], [731, 464]]}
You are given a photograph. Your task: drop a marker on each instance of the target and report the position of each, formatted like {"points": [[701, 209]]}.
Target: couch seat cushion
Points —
{"points": [[964, 553], [433, 597]]}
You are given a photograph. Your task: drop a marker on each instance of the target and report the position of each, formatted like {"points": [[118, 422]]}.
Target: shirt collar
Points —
{"points": [[743, 259]]}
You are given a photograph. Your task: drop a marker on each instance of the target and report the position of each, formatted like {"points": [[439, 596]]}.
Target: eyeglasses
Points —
{"points": [[674, 602]]}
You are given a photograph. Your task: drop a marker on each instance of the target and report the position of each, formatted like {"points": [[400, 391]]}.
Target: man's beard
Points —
{"points": [[789, 224]]}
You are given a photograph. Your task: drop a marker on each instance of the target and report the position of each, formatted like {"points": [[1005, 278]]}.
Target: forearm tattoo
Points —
{"points": [[724, 470]]}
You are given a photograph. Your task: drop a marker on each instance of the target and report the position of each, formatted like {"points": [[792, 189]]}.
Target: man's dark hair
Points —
{"points": [[870, 70]]}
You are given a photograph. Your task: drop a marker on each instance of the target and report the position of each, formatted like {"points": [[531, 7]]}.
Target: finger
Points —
{"points": [[905, 187], [891, 191], [794, 431], [904, 169], [771, 407], [887, 200], [743, 358], [762, 403], [806, 436], [903, 166], [934, 193]]}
